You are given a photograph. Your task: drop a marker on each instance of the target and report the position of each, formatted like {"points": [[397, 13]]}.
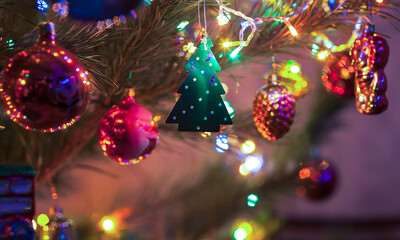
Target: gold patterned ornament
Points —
{"points": [[273, 110]]}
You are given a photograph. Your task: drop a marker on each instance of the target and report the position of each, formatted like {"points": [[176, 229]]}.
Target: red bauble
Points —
{"points": [[127, 132], [370, 54], [317, 179], [338, 75], [273, 111], [44, 88]]}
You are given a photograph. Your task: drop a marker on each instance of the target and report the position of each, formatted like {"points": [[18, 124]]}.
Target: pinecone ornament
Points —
{"points": [[273, 110]]}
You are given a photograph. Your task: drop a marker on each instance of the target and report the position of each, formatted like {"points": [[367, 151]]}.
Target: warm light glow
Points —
{"points": [[322, 55], [108, 224], [34, 225], [304, 173], [248, 147], [379, 1], [243, 170], [240, 234], [42, 219]]}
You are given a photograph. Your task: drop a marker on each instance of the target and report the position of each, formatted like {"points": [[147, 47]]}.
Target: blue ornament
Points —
{"points": [[21, 230], [101, 9]]}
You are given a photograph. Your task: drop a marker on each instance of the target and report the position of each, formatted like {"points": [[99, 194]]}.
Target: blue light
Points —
{"points": [[254, 163], [42, 5], [222, 143]]}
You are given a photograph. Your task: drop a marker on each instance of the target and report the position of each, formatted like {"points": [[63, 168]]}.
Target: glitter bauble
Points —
{"points": [[60, 227], [127, 132], [273, 111], [370, 54], [338, 75], [317, 179], [44, 88]]}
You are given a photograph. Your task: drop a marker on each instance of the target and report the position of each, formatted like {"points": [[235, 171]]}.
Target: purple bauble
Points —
{"points": [[317, 179], [127, 132], [44, 88]]}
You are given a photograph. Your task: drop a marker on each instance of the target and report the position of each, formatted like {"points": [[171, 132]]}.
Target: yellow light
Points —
{"points": [[379, 1], [293, 31], [248, 147], [45, 228], [227, 44], [295, 69], [243, 170], [108, 224], [322, 55], [42, 220]]}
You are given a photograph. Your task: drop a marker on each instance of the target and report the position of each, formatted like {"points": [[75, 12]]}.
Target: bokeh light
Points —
{"points": [[252, 200], [243, 170], [254, 163], [240, 234], [42, 219], [221, 143], [248, 147], [108, 224]]}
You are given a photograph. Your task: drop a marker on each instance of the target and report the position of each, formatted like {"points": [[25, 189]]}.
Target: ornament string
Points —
{"points": [[252, 23]]}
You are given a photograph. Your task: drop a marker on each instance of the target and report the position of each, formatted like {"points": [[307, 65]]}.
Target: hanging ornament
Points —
{"points": [[292, 78], [17, 202], [98, 9], [44, 88], [273, 110], [60, 227], [127, 132], [338, 75], [317, 179], [370, 54], [200, 107]]}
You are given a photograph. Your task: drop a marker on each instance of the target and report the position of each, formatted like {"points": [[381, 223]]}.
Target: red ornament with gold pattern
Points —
{"points": [[127, 132], [273, 110], [338, 75], [370, 54], [44, 88]]}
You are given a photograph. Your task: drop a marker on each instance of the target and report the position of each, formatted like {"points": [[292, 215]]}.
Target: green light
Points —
{"points": [[147, 2], [315, 46], [240, 234], [182, 25], [234, 53], [252, 199], [328, 44], [221, 55]]}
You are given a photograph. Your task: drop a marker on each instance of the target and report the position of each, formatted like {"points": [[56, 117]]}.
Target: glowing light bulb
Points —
{"points": [[252, 199], [248, 147], [42, 220], [221, 143], [243, 170], [108, 224], [322, 55], [182, 25], [224, 18], [254, 163], [240, 234], [34, 225]]}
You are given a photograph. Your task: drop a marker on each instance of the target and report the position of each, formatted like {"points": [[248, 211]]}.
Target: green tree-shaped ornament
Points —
{"points": [[200, 107]]}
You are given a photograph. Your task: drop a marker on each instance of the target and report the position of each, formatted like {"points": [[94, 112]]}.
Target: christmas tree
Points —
{"points": [[200, 107], [202, 185]]}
